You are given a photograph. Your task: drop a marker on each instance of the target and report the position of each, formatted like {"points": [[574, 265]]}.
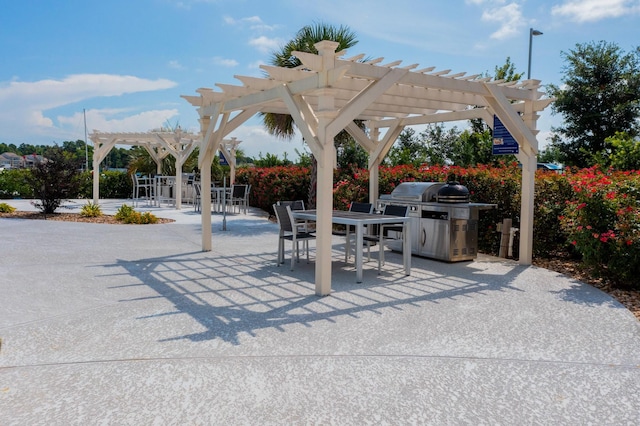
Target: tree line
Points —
{"points": [[77, 151]]}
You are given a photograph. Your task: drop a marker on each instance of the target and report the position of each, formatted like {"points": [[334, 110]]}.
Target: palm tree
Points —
{"points": [[282, 125]]}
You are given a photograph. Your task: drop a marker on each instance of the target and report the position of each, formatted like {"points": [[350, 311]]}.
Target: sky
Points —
{"points": [[123, 64]]}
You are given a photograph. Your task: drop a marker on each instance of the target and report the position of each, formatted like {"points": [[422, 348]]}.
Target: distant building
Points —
{"points": [[10, 160]]}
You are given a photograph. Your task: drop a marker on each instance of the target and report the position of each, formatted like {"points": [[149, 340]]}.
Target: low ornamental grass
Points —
{"points": [[6, 208], [91, 210], [591, 214]]}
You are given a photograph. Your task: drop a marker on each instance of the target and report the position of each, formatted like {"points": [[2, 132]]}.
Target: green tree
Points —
{"points": [[472, 148], [551, 153], [599, 96], [28, 149], [409, 148], [271, 160], [8, 148], [350, 154], [626, 152]]}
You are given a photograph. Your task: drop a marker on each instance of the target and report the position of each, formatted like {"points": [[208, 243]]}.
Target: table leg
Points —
{"points": [[406, 247], [359, 243]]}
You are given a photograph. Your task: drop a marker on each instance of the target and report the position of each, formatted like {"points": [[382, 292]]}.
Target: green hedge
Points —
{"points": [[113, 184], [14, 184]]}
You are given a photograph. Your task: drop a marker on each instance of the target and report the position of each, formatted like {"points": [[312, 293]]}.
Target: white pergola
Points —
{"points": [[327, 93], [159, 144]]}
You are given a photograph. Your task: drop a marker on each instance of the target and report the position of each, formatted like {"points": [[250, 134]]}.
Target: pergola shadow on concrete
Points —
{"points": [[327, 93], [159, 144]]}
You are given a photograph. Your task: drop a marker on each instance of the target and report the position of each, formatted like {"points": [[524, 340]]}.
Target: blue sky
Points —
{"points": [[126, 62]]}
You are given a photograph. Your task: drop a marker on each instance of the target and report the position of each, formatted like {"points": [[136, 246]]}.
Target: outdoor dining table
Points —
{"points": [[359, 221], [220, 194]]}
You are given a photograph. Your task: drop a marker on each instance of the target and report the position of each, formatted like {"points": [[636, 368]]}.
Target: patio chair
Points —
{"points": [[196, 196], [239, 197], [349, 230], [143, 185], [166, 190], [295, 204], [304, 225], [289, 231], [382, 233], [188, 191]]}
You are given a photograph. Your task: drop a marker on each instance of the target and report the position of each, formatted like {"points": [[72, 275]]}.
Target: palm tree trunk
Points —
{"points": [[313, 183]]}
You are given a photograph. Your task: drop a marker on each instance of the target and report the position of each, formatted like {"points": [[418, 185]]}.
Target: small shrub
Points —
{"points": [[123, 212], [54, 179], [91, 210], [6, 208], [127, 214]]}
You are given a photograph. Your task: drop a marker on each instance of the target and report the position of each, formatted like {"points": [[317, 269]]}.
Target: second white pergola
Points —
{"points": [[327, 93], [159, 144]]}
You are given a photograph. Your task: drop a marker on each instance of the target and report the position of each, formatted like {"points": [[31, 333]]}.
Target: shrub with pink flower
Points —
{"points": [[603, 222]]}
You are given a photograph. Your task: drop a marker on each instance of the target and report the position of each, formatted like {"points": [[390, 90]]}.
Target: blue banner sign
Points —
{"points": [[503, 142], [223, 161]]}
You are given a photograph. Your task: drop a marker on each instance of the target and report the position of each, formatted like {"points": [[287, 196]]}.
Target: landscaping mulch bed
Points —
{"points": [[70, 217], [569, 267]]}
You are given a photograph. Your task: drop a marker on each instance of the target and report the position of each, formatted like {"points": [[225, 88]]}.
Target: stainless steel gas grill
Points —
{"points": [[444, 223]]}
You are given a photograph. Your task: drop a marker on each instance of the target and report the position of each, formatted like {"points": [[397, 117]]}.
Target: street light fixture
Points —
{"points": [[532, 33]]}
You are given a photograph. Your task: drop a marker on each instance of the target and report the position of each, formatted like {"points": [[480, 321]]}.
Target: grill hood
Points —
{"points": [[424, 192]]}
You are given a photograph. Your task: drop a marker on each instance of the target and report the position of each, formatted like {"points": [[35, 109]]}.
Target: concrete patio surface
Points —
{"points": [[135, 325]]}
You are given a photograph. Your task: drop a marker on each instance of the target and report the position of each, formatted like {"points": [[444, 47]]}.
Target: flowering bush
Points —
{"points": [[602, 222], [271, 184], [552, 193], [590, 213]]}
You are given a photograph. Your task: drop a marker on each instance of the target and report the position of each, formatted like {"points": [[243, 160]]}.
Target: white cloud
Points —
{"points": [[23, 105], [225, 62], [265, 44], [176, 65], [509, 18], [120, 119], [595, 10], [254, 22]]}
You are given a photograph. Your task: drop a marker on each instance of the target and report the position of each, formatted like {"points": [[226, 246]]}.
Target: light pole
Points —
{"points": [[532, 33]]}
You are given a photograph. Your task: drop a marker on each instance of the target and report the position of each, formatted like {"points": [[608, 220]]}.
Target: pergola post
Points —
{"points": [[374, 171], [205, 200], [526, 209]]}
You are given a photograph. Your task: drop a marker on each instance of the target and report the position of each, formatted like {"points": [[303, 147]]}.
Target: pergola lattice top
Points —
{"points": [[381, 94]]}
